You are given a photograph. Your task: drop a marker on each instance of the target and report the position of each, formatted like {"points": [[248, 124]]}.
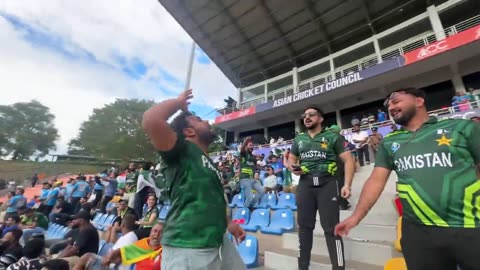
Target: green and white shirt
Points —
{"points": [[437, 174], [197, 217]]}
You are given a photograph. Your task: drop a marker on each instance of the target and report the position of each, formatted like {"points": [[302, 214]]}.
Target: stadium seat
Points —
{"points": [[108, 221], [101, 218], [237, 201], [105, 249], [100, 245], [268, 200], [164, 212], [282, 221], [242, 213], [110, 205], [259, 218], [159, 207], [51, 231], [97, 217], [286, 200], [248, 250]]}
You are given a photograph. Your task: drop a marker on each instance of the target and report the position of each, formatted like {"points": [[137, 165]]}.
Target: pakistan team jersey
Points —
{"points": [[320, 152], [436, 168], [197, 217], [247, 165]]}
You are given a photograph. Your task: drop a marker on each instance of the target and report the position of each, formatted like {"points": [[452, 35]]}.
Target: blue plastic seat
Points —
{"points": [[164, 212], [282, 221], [286, 201], [101, 244], [52, 230], [97, 218], [237, 201], [248, 250], [100, 220], [259, 218], [105, 249], [108, 221], [159, 207], [242, 213], [268, 200], [60, 233]]}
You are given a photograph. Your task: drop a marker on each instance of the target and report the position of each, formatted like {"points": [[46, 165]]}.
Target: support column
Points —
{"points": [[338, 118], [378, 52], [458, 84], [239, 98], [295, 80], [265, 134], [236, 135], [332, 68], [298, 126], [265, 92], [436, 22]]}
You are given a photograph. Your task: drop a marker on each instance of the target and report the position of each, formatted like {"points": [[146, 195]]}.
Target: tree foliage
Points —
{"points": [[218, 144], [26, 129], [116, 132]]}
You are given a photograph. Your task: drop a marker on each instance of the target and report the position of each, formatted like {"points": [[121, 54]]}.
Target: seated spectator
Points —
{"points": [[128, 237], [32, 222], [31, 256], [15, 202], [10, 248], [270, 182], [11, 223], [149, 217], [120, 211], [145, 253], [61, 212], [56, 264], [86, 240]]}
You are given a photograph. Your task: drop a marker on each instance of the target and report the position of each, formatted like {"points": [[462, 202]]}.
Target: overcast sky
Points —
{"points": [[74, 56]]}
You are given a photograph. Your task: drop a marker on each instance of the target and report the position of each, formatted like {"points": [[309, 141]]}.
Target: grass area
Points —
{"points": [[22, 170]]}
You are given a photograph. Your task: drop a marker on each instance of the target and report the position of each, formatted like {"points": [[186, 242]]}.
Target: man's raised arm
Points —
{"points": [[155, 121]]}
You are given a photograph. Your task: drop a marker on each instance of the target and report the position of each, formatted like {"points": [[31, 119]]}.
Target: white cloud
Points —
{"points": [[107, 29]]}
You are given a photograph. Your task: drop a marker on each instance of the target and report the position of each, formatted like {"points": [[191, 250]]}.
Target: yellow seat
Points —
{"points": [[396, 243], [395, 264]]}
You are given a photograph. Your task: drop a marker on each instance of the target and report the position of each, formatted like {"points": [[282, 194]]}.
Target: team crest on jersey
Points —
{"points": [[444, 140], [300, 144], [324, 144], [395, 147]]}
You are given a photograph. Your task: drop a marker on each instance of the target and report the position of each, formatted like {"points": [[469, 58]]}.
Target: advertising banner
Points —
{"points": [[443, 45], [334, 84], [234, 115]]}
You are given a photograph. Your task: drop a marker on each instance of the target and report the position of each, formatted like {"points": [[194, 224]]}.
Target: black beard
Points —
{"points": [[313, 126], [207, 137], [407, 115]]}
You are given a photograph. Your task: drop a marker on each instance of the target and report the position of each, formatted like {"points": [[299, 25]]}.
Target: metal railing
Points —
{"points": [[397, 50]]}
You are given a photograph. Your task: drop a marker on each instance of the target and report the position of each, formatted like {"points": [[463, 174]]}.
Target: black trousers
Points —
{"points": [[440, 248], [363, 155], [75, 202], [318, 193]]}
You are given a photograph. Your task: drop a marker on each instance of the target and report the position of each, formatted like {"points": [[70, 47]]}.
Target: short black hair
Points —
{"points": [[33, 248], [319, 111], [129, 222], [180, 122], [416, 92], [57, 264], [15, 218]]}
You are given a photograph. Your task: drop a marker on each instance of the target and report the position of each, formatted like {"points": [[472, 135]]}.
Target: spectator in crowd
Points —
{"points": [[31, 223], [16, 202], [31, 256], [374, 140], [141, 195], [56, 264], [10, 210], [80, 190], [110, 190], [364, 120], [10, 248], [247, 171], [98, 190], [69, 189], [360, 138], [149, 217], [12, 223], [120, 211], [51, 199], [270, 180], [85, 241], [381, 115], [355, 120], [61, 212], [146, 253], [34, 179], [371, 118]]}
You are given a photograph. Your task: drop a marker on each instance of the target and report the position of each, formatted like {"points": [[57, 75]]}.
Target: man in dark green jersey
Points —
{"points": [[313, 157], [248, 164], [194, 233], [438, 183]]}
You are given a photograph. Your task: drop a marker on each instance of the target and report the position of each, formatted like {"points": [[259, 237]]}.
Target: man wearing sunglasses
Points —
{"points": [[313, 157], [437, 165]]}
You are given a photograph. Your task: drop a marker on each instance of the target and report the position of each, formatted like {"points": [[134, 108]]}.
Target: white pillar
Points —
{"points": [[436, 22], [378, 52], [265, 90], [298, 126], [265, 133], [458, 84], [332, 68], [239, 97], [295, 79], [236, 135], [338, 118]]}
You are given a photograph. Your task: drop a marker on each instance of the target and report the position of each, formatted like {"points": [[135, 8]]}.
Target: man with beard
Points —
{"points": [[247, 170], [194, 233], [437, 165], [313, 157]]}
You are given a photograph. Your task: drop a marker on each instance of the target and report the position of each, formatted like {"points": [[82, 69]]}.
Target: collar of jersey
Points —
{"points": [[431, 120], [308, 135]]}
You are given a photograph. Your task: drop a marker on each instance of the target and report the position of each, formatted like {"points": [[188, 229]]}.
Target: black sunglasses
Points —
{"points": [[312, 114]]}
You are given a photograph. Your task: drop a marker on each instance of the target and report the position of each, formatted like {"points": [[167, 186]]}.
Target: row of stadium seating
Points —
{"points": [[280, 221], [56, 231], [268, 200], [248, 250]]}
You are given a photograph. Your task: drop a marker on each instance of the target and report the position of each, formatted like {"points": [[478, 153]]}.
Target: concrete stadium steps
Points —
{"points": [[369, 252], [286, 259]]}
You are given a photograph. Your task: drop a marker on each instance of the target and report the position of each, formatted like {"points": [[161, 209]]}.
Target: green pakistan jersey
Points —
{"points": [[197, 217], [247, 165], [318, 153], [436, 168]]}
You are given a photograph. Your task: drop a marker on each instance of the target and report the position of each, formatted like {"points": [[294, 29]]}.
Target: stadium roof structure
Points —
{"points": [[254, 40]]}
